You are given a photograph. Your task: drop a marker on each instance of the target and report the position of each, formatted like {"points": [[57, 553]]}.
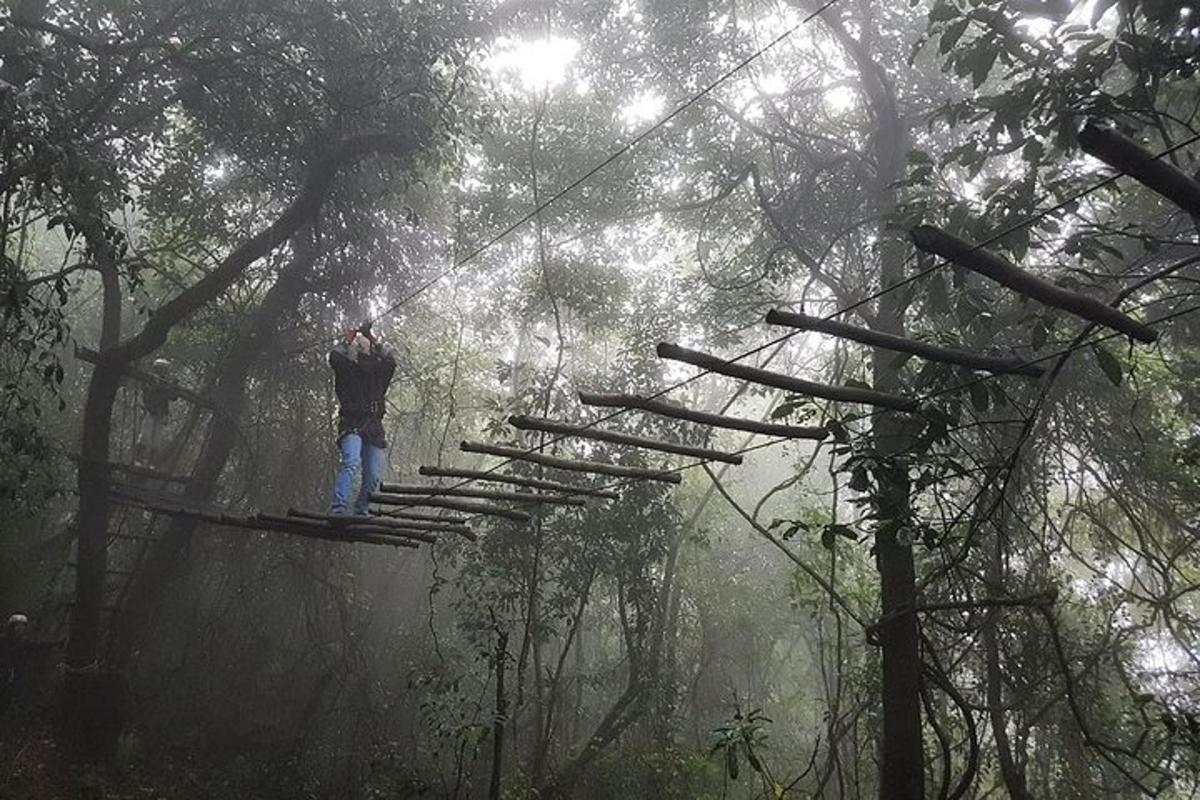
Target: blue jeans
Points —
{"points": [[355, 452]]}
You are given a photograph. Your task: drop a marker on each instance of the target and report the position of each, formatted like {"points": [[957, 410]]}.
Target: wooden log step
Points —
{"points": [[702, 417], [616, 470], [899, 344], [355, 528], [476, 509], [514, 480], [845, 394], [526, 423], [354, 521], [939, 242], [243, 523], [314, 532], [481, 494], [418, 516], [1124, 154]]}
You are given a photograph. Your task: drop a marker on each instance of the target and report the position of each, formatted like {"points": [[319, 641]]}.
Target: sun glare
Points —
{"points": [[772, 84], [642, 108], [532, 64], [839, 99]]}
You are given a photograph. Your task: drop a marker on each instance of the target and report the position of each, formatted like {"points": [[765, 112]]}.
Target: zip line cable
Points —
{"points": [[645, 134], [837, 313], [616, 154], [590, 173]]}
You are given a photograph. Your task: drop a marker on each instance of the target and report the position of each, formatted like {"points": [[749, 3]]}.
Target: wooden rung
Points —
{"points": [[332, 533], [139, 471], [242, 523], [929, 352], [93, 357], [702, 417], [353, 528], [482, 494], [572, 465], [1122, 153], [846, 394], [526, 423], [418, 516], [325, 534], [371, 522], [406, 501], [939, 242], [532, 483]]}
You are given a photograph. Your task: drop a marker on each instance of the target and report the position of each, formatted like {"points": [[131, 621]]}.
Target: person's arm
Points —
{"points": [[342, 359], [387, 363]]}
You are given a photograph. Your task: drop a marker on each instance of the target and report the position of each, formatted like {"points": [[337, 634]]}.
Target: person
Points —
{"points": [[362, 371], [156, 408], [18, 656]]}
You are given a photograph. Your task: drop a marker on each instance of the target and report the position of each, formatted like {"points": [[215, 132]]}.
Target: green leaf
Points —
{"points": [[1110, 364], [981, 62], [845, 531], [943, 12], [952, 34], [782, 410], [859, 480], [1033, 151], [838, 431], [939, 297]]}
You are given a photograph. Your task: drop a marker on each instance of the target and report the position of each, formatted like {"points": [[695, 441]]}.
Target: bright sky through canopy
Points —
{"points": [[532, 64]]}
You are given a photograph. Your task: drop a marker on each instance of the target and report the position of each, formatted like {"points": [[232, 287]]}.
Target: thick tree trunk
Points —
{"points": [[902, 771], [90, 724], [88, 700], [162, 565]]}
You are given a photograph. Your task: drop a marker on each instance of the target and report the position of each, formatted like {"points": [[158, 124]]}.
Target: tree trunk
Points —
{"points": [[90, 726], [88, 700], [1013, 776], [162, 565], [500, 718], [902, 772]]}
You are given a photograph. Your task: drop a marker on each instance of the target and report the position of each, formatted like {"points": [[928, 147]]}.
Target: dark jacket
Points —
{"points": [[361, 382], [19, 659]]}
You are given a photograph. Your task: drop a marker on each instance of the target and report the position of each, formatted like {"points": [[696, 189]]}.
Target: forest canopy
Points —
{"points": [[751, 400]]}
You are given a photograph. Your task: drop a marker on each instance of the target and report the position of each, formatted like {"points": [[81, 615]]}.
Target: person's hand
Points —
{"points": [[365, 330]]}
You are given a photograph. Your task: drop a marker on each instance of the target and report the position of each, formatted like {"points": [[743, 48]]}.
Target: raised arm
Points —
{"points": [[342, 359], [387, 363]]}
